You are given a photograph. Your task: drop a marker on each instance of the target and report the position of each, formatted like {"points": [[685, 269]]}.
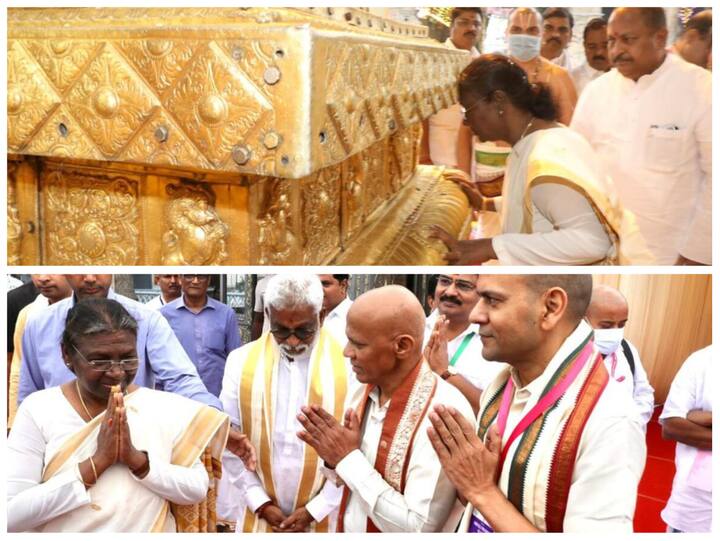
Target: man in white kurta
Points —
{"points": [[608, 315], [452, 344], [649, 119], [596, 54], [170, 289], [292, 303], [576, 466], [443, 127], [687, 419], [336, 304], [382, 454]]}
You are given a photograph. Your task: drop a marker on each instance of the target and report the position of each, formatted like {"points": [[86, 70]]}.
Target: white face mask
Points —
{"points": [[608, 340], [523, 47]]}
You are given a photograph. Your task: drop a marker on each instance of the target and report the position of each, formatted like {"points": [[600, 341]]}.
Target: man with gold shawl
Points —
{"points": [[393, 482], [265, 384], [556, 448]]}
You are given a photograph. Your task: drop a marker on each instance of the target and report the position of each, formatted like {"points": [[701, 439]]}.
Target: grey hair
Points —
{"points": [[96, 316], [294, 290]]}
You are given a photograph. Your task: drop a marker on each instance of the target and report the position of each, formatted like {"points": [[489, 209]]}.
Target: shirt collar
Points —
{"points": [[650, 78], [341, 309], [181, 303]]}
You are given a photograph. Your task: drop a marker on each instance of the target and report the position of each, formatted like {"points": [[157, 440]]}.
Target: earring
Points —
{"points": [[501, 112]]}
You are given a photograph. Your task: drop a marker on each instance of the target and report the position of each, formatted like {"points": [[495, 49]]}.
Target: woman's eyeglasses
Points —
{"points": [[103, 365]]}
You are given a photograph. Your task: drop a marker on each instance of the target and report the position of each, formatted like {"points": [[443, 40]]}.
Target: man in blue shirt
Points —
{"points": [[162, 358], [207, 329]]}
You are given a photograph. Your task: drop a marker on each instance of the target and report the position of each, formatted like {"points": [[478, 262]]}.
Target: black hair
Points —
{"points": [[578, 287], [495, 72], [653, 18], [549, 13], [96, 316], [701, 22], [432, 284], [341, 277], [594, 24], [456, 12]]}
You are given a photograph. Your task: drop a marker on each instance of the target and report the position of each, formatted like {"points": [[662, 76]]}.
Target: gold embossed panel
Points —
{"points": [[252, 90]]}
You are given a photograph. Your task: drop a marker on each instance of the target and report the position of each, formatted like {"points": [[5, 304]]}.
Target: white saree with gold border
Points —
{"points": [[561, 156], [172, 429], [327, 386]]}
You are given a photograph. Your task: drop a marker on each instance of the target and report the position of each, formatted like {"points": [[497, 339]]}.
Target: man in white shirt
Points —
{"points": [[649, 120], [452, 344], [687, 419], [260, 324], [596, 54], [556, 447], [608, 315], [440, 131], [335, 304], [557, 33], [393, 482], [170, 289], [265, 384]]}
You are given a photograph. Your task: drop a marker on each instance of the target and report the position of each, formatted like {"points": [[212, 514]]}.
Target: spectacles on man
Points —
{"points": [[302, 333], [103, 365], [460, 285], [198, 277]]}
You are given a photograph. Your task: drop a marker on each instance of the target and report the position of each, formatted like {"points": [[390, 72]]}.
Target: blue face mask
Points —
{"points": [[523, 47]]}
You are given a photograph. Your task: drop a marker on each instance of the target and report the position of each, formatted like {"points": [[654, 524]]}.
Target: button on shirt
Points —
{"points": [[207, 337], [655, 139], [689, 508], [162, 358]]}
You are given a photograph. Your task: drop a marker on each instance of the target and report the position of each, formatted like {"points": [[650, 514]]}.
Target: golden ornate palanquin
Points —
{"points": [[224, 136]]}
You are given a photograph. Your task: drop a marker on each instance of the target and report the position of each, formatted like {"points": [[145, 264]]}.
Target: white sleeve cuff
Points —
{"points": [[255, 497], [325, 501]]}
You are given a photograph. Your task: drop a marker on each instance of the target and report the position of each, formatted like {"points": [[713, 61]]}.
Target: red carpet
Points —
{"points": [[656, 482]]}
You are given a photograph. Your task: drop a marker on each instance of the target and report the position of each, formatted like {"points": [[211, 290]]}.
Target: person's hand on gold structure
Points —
{"points": [[464, 252], [469, 188]]}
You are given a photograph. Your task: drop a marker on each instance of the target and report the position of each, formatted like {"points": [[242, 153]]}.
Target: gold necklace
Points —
{"points": [[77, 386]]}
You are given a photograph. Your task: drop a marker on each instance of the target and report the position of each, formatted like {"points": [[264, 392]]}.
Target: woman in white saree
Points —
{"points": [[102, 454], [558, 207]]}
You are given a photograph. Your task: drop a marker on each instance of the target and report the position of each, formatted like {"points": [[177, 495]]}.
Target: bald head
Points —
{"points": [[392, 310], [385, 328], [608, 308]]}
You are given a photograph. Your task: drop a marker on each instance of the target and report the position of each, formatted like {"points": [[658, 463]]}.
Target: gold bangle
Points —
{"points": [[94, 471]]}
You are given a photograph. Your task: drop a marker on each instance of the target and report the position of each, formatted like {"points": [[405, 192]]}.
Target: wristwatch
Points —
{"points": [[449, 371]]}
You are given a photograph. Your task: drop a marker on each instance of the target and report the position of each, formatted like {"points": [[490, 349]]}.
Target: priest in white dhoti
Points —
{"points": [[381, 454], [265, 384], [556, 447]]}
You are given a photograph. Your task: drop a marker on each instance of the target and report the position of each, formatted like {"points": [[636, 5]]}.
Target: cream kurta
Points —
{"points": [[655, 138], [429, 502]]}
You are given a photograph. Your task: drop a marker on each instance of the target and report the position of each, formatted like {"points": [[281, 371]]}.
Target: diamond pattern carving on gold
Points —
{"points": [[159, 61], [89, 221], [62, 136], [62, 60], [217, 105], [176, 150], [30, 96], [110, 102]]}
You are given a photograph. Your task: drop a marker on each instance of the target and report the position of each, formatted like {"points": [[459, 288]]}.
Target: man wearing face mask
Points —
{"points": [[265, 384], [439, 145], [596, 54], [524, 41], [608, 314]]}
